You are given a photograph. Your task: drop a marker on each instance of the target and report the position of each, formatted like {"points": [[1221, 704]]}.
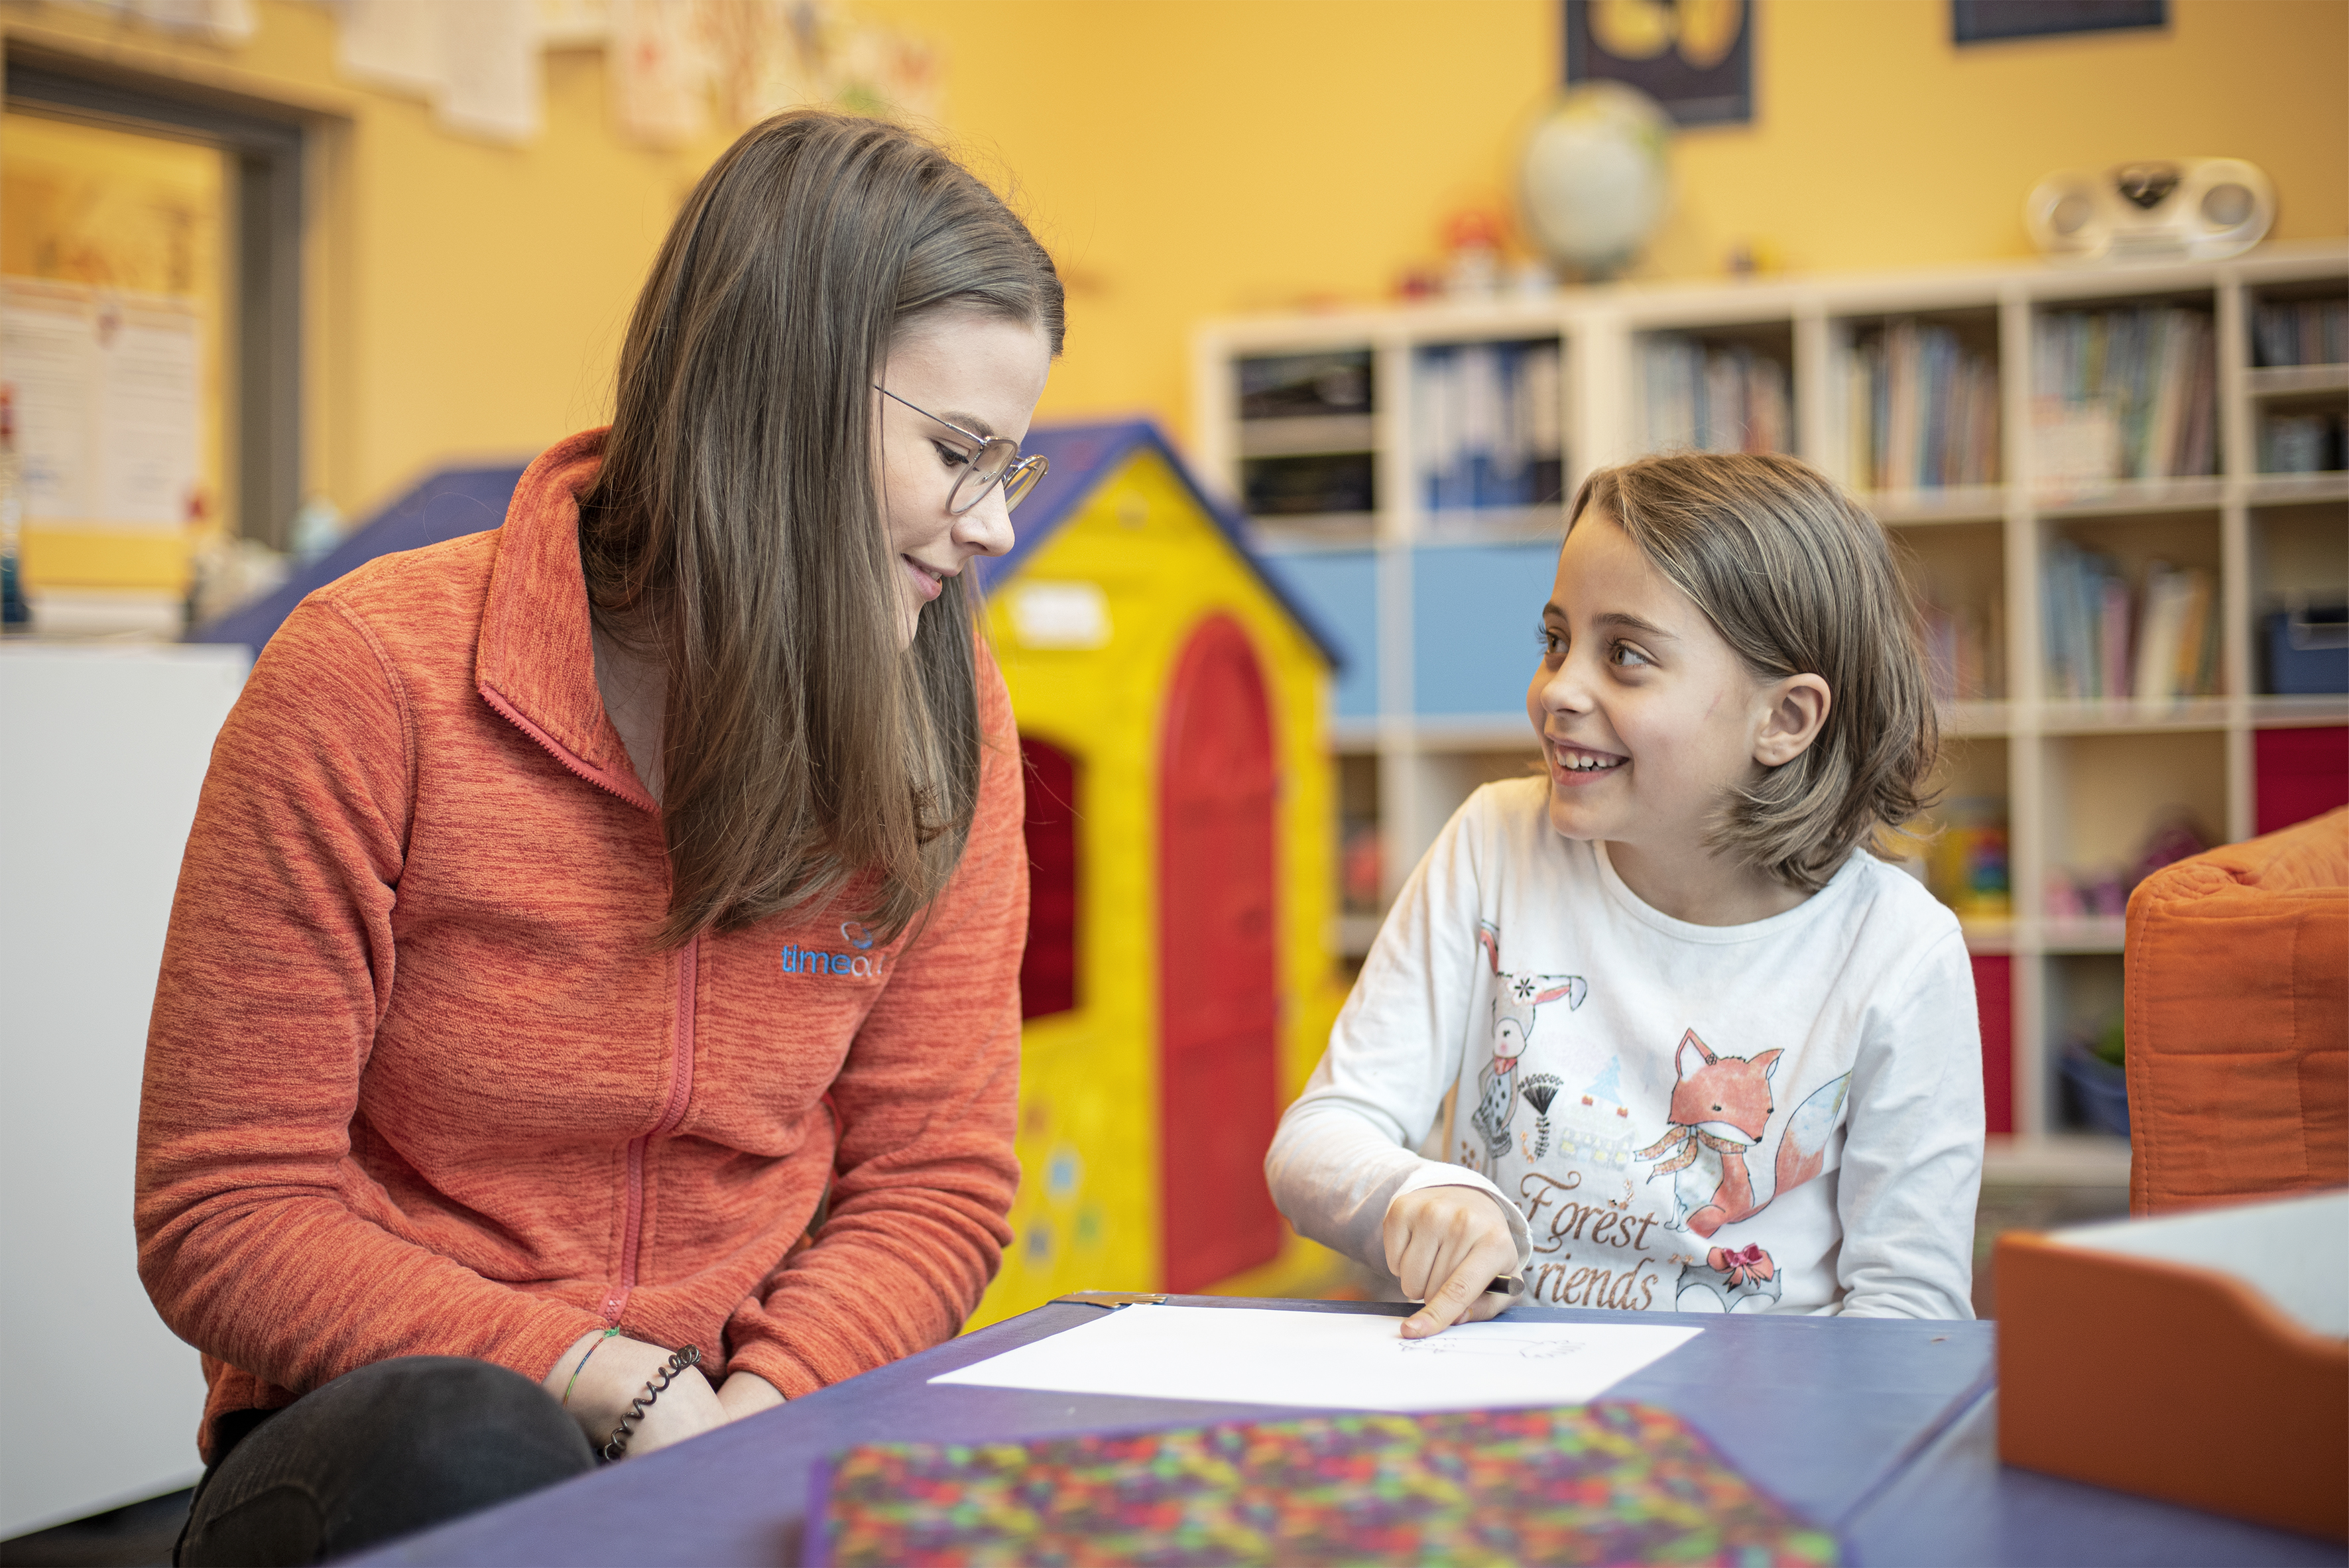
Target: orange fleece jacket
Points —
{"points": [[419, 1084]]}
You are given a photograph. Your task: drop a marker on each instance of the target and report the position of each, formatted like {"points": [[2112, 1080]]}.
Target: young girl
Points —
{"points": [[1703, 1052]]}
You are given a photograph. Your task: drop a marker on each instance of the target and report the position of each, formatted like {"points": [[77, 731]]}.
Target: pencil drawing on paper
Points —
{"points": [[1458, 1344]]}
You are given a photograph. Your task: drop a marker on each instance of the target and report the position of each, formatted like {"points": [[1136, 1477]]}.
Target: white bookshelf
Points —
{"points": [[2081, 781]]}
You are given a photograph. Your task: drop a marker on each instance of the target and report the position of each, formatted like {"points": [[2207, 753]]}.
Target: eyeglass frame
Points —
{"points": [[1032, 467]]}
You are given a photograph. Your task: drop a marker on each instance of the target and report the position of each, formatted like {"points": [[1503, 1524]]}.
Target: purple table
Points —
{"points": [[1879, 1429]]}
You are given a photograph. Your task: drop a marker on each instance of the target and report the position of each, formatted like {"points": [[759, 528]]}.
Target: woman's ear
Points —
{"points": [[1797, 710]]}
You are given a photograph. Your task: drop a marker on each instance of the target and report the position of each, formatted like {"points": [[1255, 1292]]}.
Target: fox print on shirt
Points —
{"points": [[1720, 1108], [1652, 1239]]}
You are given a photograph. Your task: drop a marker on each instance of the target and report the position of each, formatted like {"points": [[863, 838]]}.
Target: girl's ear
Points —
{"points": [[1797, 711]]}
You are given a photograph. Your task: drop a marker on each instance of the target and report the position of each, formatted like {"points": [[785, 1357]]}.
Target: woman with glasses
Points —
{"points": [[590, 1011]]}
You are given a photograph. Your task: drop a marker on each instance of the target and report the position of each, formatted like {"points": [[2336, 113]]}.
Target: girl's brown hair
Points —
{"points": [[1799, 581], [736, 528]]}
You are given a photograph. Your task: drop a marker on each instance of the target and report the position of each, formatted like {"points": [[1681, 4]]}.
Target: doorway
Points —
{"points": [[1218, 1001]]}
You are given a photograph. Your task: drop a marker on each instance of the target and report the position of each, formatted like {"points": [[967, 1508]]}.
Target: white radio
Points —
{"points": [[2202, 210]]}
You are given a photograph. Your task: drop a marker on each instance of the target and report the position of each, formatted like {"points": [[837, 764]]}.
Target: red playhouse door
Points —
{"points": [[1219, 1092]]}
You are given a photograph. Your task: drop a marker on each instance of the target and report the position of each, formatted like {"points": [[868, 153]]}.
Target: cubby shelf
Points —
{"points": [[1436, 609], [1957, 503], [2292, 380]]}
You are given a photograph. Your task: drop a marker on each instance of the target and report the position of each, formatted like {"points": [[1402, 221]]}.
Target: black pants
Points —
{"points": [[379, 1452]]}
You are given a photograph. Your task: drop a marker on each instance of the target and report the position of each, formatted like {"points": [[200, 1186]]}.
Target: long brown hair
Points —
{"points": [[735, 529], [1799, 581]]}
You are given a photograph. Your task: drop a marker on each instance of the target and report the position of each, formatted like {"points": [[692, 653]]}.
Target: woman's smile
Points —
{"points": [[929, 582]]}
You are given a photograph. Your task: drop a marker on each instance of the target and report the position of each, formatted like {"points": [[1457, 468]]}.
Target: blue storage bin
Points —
{"points": [[1476, 609], [2308, 651], [1340, 589]]}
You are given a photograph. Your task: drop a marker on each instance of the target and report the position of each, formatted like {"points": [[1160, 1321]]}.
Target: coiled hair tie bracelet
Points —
{"points": [[616, 1447]]}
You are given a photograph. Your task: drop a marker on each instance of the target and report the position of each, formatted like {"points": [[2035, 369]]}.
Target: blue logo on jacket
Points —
{"points": [[798, 960]]}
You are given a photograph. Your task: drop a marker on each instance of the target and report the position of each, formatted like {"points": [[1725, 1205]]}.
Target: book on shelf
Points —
{"points": [[2105, 643], [2303, 442], [1963, 651], [2124, 394], [1924, 412], [2300, 332], [1491, 425], [1713, 397]]}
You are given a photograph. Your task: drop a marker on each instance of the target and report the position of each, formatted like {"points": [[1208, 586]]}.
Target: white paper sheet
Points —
{"points": [[1337, 1361], [107, 394]]}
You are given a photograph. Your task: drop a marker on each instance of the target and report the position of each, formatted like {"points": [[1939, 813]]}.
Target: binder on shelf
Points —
{"points": [[1491, 425], [2200, 1359]]}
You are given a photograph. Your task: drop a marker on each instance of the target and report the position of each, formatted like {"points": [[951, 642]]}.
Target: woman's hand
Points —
{"points": [[746, 1394], [616, 1374], [1446, 1245]]}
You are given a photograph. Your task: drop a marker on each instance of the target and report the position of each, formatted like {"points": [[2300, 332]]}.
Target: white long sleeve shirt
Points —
{"points": [[1784, 1116]]}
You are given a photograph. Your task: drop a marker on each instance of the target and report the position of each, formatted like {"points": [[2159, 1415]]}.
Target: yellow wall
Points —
{"points": [[1220, 155], [1201, 157], [1087, 1212]]}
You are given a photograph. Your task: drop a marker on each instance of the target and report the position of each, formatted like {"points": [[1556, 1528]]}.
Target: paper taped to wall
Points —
{"points": [[1346, 1361]]}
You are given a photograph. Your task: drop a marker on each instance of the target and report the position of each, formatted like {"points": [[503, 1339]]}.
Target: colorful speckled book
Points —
{"points": [[1604, 1483]]}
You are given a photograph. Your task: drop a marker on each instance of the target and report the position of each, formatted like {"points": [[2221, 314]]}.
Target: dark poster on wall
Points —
{"points": [[1695, 57], [1989, 21]]}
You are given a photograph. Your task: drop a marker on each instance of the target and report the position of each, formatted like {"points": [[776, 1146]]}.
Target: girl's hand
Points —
{"points": [[1446, 1245], [746, 1394], [616, 1374]]}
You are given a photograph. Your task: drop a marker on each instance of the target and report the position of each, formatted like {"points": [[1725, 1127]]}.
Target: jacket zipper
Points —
{"points": [[680, 1087]]}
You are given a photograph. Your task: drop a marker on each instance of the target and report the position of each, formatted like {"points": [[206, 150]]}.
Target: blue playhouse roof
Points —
{"points": [[458, 502], [449, 505], [1082, 456]]}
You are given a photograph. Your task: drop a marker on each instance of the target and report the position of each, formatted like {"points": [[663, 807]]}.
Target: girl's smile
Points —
{"points": [[1573, 766]]}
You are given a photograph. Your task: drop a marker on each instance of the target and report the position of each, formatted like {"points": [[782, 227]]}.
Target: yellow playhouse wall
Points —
{"points": [[1087, 1214]]}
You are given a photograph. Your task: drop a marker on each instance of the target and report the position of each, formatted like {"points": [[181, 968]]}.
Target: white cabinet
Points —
{"points": [[102, 752]]}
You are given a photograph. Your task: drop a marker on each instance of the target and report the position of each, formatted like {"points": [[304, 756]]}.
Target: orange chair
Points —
{"points": [[2238, 1021]]}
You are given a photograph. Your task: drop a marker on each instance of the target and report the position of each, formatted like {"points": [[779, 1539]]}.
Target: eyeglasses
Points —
{"points": [[997, 461]]}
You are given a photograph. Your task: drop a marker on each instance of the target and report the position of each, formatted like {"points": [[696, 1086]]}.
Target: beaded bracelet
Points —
{"points": [[616, 1447]]}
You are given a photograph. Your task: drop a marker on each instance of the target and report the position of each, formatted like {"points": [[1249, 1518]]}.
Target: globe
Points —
{"points": [[1597, 176]]}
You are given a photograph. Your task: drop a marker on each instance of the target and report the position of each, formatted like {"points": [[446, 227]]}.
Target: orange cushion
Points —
{"points": [[2238, 1020]]}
